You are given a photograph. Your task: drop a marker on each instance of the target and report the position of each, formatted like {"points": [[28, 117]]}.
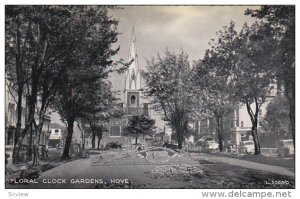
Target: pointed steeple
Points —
{"points": [[132, 81], [132, 50]]}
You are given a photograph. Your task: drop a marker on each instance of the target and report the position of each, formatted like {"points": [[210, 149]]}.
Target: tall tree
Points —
{"points": [[139, 125], [17, 52], [276, 120], [88, 62], [168, 83], [281, 20], [212, 76], [34, 43], [103, 106], [253, 77]]}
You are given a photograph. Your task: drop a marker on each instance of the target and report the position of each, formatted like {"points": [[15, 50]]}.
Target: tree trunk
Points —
{"points": [[256, 141], [20, 89], [83, 138], [66, 154], [289, 84], [291, 100], [20, 84], [222, 133], [178, 135], [292, 119], [93, 139], [32, 100], [38, 133], [136, 140], [19, 116], [18, 124], [180, 131], [255, 136], [30, 142], [93, 129], [219, 128], [254, 121], [35, 160], [99, 135], [36, 154], [18, 146]]}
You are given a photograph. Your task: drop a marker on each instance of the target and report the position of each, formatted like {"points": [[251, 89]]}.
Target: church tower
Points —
{"points": [[133, 91]]}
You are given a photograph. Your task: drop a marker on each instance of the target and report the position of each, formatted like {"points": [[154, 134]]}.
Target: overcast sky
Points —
{"points": [[189, 28], [174, 27]]}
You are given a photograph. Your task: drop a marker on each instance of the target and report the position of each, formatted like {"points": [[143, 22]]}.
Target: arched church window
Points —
{"points": [[133, 100]]}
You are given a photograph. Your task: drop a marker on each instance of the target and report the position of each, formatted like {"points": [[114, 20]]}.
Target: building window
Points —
{"points": [[10, 137], [242, 124], [12, 114], [133, 100]]}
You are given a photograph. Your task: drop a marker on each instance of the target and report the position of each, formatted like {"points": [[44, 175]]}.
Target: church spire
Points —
{"points": [[132, 49], [132, 81]]}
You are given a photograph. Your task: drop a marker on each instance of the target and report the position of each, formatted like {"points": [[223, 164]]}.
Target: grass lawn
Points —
{"points": [[275, 161]]}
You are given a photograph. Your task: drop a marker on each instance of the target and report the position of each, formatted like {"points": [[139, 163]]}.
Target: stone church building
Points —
{"points": [[134, 102]]}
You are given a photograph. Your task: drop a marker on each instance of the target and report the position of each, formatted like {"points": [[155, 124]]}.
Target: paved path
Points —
{"points": [[141, 170], [244, 163], [134, 169]]}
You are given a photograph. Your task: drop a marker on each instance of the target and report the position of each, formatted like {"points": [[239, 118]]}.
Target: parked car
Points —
{"points": [[202, 141], [285, 148], [170, 145], [247, 147], [113, 145], [212, 145]]}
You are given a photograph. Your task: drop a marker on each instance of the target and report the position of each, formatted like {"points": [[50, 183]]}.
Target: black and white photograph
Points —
{"points": [[149, 97]]}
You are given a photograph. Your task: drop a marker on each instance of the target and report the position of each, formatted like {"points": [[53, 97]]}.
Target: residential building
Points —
{"points": [[11, 120], [237, 123]]}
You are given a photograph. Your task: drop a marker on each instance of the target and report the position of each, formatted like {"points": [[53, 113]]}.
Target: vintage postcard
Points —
{"points": [[150, 97]]}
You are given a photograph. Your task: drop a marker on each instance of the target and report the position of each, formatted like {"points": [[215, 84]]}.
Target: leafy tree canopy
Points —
{"points": [[168, 84], [139, 125], [276, 120]]}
